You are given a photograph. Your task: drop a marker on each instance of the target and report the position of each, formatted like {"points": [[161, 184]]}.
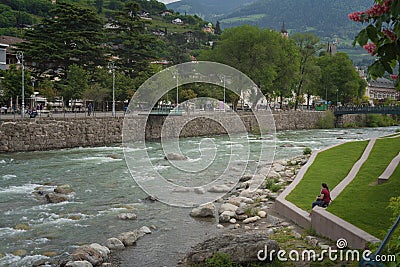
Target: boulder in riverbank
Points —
{"points": [[207, 210], [114, 244], [242, 247], [130, 238]]}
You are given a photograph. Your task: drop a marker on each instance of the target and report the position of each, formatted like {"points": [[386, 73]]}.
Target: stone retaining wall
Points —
{"points": [[49, 133]]}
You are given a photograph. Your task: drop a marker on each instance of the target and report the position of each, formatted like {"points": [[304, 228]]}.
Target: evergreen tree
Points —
{"points": [[217, 28], [132, 43], [72, 36]]}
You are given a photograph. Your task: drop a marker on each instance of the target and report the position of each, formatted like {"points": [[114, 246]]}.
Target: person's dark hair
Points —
{"points": [[324, 185]]}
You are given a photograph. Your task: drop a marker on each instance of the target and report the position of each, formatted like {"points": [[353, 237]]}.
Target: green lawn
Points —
{"points": [[330, 166], [364, 203]]}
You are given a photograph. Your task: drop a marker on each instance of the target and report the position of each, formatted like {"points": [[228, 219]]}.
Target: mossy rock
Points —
{"points": [[22, 226], [75, 217], [49, 253], [20, 252]]}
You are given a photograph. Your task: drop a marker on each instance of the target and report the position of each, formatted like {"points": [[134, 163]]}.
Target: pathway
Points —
{"points": [[384, 177]]}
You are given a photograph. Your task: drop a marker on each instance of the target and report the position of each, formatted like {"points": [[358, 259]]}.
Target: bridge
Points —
{"points": [[367, 110]]}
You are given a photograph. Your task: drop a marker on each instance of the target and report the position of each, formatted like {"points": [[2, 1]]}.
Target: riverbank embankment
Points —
{"points": [[58, 133]]}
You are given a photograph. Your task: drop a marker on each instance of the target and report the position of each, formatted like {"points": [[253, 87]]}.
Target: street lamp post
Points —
{"points": [[223, 80], [111, 66], [224, 94], [20, 57], [175, 75]]}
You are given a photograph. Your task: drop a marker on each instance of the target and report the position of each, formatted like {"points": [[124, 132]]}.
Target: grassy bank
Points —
{"points": [[330, 166], [364, 202]]}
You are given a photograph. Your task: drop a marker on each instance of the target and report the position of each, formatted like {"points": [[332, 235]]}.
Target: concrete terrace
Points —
{"points": [[324, 222]]}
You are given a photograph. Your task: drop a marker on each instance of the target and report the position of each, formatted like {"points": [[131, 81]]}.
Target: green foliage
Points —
{"points": [[324, 18], [275, 187], [383, 32], [339, 79], [270, 182], [307, 151], [259, 53], [327, 121], [12, 82], [251, 211], [379, 120], [219, 260], [74, 37]]}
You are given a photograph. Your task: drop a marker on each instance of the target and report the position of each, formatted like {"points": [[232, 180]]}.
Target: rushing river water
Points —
{"points": [[103, 188]]}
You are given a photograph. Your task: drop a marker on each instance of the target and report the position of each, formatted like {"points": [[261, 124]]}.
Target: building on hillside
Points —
{"points": [[284, 32], [166, 13], [208, 28], [8, 43], [332, 47], [3, 56], [382, 89], [177, 21]]}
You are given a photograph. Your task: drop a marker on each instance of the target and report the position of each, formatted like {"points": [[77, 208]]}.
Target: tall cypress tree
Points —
{"points": [[73, 35], [132, 43]]}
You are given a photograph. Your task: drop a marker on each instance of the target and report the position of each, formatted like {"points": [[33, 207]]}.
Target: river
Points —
{"points": [[104, 188]]}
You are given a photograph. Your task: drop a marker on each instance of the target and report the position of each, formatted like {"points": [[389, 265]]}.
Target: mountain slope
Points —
{"points": [[209, 9], [323, 17], [326, 18]]}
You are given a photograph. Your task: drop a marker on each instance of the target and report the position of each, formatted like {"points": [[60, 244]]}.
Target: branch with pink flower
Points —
{"points": [[380, 37]]}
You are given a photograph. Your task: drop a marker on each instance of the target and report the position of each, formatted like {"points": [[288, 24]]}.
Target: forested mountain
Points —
{"points": [[208, 9], [326, 18]]}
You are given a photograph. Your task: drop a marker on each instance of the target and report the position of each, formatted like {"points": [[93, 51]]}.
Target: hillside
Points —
{"points": [[208, 9], [326, 18]]}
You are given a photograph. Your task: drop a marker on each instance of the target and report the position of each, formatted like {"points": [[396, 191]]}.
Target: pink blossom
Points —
{"points": [[356, 16], [394, 76], [376, 10], [390, 34], [370, 47]]}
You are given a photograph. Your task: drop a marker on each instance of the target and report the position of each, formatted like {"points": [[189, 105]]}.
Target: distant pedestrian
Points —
{"points": [[90, 107]]}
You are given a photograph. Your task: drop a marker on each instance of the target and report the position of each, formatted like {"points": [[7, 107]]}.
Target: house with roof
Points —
{"points": [[177, 21], [382, 89], [8, 50]]}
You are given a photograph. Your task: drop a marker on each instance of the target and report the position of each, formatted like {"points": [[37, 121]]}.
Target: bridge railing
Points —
{"points": [[367, 110]]}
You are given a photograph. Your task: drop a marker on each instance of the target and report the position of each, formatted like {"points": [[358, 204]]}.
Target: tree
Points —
{"points": [[251, 50], [99, 5], [12, 83], [339, 78], [308, 45], [217, 30], [47, 89], [287, 68], [134, 45], [76, 82], [381, 36], [72, 36]]}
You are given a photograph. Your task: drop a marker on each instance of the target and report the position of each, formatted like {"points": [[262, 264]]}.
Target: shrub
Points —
{"points": [[275, 187], [327, 121], [270, 182], [378, 120], [307, 151], [250, 212], [219, 260]]}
